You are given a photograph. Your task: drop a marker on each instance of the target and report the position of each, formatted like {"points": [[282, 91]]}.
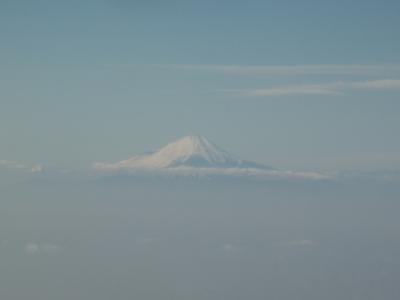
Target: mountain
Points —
{"points": [[194, 155], [193, 151]]}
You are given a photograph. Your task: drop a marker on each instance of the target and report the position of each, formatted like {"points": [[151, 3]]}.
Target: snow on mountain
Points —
{"points": [[195, 155]]}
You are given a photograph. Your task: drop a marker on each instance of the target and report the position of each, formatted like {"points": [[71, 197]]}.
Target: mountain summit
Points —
{"points": [[193, 151]]}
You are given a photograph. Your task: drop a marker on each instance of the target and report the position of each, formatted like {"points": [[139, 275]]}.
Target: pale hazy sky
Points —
{"points": [[299, 85], [303, 84]]}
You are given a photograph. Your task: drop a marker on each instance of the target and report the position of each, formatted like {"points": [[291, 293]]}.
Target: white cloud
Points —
{"points": [[332, 88], [37, 169]]}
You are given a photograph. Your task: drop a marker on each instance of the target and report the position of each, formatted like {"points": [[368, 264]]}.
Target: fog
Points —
{"points": [[196, 239]]}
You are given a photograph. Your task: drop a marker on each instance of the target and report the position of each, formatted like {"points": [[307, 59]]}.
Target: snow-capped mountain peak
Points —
{"points": [[189, 151], [195, 150]]}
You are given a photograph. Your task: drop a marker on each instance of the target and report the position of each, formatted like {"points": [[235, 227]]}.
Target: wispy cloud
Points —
{"points": [[291, 70], [32, 248], [231, 248], [303, 243], [46, 248], [387, 77], [387, 84], [333, 88], [388, 176], [34, 168], [288, 90]]}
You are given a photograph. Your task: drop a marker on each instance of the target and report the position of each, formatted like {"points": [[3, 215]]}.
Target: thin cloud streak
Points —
{"points": [[285, 91], [8, 164], [387, 84], [32, 248], [334, 88]]}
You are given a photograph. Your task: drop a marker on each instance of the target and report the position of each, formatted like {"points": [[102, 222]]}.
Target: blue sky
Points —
{"points": [[302, 84]]}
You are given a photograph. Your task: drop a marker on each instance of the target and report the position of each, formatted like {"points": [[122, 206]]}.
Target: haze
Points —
{"points": [[199, 150]]}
